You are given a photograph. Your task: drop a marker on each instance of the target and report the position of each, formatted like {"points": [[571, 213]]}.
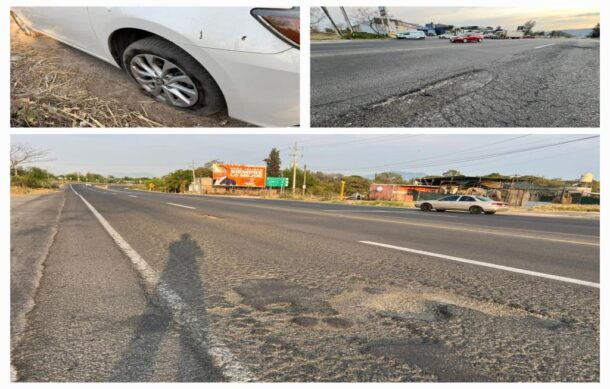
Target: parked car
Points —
{"points": [[411, 35], [195, 58], [445, 36], [467, 38], [471, 203]]}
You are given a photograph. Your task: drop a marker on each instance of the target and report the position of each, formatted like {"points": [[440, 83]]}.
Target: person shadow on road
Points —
{"points": [[154, 345]]}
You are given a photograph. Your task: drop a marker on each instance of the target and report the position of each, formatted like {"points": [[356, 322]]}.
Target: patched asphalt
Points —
{"points": [[516, 83], [294, 297]]}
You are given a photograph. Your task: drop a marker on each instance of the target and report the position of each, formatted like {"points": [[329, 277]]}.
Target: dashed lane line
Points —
{"points": [[485, 264], [180, 205]]}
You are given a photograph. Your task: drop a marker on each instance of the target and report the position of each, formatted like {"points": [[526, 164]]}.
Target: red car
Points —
{"points": [[467, 38]]}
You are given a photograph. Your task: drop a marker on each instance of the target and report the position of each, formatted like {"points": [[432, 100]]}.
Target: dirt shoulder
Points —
{"points": [[55, 85]]}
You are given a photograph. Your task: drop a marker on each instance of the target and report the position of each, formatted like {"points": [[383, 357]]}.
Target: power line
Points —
{"points": [[496, 154]]}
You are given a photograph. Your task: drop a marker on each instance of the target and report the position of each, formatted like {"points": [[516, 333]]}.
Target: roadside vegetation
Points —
{"points": [[565, 208], [319, 185], [44, 93]]}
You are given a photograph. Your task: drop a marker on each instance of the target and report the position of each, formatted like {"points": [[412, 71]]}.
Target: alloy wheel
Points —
{"points": [[164, 80]]}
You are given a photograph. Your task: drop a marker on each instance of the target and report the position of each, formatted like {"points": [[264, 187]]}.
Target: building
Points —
{"points": [[514, 191], [438, 28]]}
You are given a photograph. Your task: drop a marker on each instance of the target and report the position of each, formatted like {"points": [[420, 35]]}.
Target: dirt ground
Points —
{"points": [[55, 85]]}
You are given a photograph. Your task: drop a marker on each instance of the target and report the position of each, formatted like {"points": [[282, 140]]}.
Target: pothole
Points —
{"points": [[427, 305]]}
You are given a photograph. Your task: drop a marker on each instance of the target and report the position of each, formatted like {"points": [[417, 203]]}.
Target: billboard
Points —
{"points": [[239, 175]]}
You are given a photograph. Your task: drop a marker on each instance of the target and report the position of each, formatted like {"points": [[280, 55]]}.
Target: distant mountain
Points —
{"points": [[578, 32]]}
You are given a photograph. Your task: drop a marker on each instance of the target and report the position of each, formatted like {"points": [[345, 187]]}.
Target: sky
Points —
{"points": [[509, 18], [157, 155]]}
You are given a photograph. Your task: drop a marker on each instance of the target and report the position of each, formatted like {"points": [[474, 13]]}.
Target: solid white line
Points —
{"points": [[180, 205], [485, 264], [181, 311], [410, 213], [539, 47]]}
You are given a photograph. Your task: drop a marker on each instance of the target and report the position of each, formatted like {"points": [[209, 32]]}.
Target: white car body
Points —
{"points": [[411, 34], [445, 36], [257, 72], [466, 203]]}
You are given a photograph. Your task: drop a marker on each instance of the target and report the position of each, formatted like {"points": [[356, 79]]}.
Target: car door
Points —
{"points": [[448, 202], [465, 202], [68, 24]]}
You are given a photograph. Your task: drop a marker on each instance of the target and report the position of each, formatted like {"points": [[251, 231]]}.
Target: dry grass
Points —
{"points": [[565, 208], [46, 94], [323, 36], [22, 191], [43, 96]]}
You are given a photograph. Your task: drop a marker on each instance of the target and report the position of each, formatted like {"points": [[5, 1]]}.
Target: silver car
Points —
{"points": [[471, 203]]}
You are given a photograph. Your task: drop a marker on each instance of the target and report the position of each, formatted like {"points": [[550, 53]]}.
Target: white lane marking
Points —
{"points": [[190, 322], [539, 47], [180, 205], [500, 231], [485, 264], [410, 213], [135, 197], [461, 227]]}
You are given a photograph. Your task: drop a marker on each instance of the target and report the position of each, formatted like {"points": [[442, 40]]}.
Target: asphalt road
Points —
{"points": [[141, 286], [434, 83]]}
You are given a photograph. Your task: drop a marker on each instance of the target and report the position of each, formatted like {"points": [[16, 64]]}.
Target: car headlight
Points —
{"points": [[283, 23]]}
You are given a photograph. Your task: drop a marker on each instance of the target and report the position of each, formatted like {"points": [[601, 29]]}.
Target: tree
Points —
{"points": [[389, 178], [178, 181], [274, 163], [595, 32], [356, 184], [22, 153], [528, 27], [367, 17], [452, 173], [316, 15]]}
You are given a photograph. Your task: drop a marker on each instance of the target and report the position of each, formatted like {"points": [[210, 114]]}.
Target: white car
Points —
{"points": [[472, 203], [411, 35], [195, 58], [445, 36]]}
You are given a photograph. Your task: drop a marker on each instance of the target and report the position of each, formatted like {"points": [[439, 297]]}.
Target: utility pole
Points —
{"points": [[295, 155], [349, 24], [331, 20], [304, 178]]}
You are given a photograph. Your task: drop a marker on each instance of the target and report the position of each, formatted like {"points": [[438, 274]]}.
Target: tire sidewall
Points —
{"points": [[208, 102]]}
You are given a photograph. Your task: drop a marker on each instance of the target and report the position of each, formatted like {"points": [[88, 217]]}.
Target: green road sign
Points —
{"points": [[277, 182]]}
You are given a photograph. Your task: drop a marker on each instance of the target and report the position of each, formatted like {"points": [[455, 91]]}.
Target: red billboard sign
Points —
{"points": [[239, 175]]}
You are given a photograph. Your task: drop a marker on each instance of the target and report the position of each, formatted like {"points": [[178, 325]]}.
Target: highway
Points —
{"points": [[434, 83], [145, 286]]}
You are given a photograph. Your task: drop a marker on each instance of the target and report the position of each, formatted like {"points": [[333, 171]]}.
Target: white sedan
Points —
{"points": [[471, 203], [195, 58]]}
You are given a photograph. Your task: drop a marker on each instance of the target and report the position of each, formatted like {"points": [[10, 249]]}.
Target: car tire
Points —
{"points": [[425, 207], [199, 88], [23, 26], [489, 212], [475, 210]]}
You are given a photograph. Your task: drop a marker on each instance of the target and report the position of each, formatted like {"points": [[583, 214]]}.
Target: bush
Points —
{"points": [[364, 35]]}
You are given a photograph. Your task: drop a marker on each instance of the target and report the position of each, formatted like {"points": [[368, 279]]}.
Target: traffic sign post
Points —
{"points": [[277, 182]]}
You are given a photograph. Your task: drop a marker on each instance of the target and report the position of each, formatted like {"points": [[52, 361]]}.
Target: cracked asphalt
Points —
{"points": [[288, 293], [434, 83]]}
